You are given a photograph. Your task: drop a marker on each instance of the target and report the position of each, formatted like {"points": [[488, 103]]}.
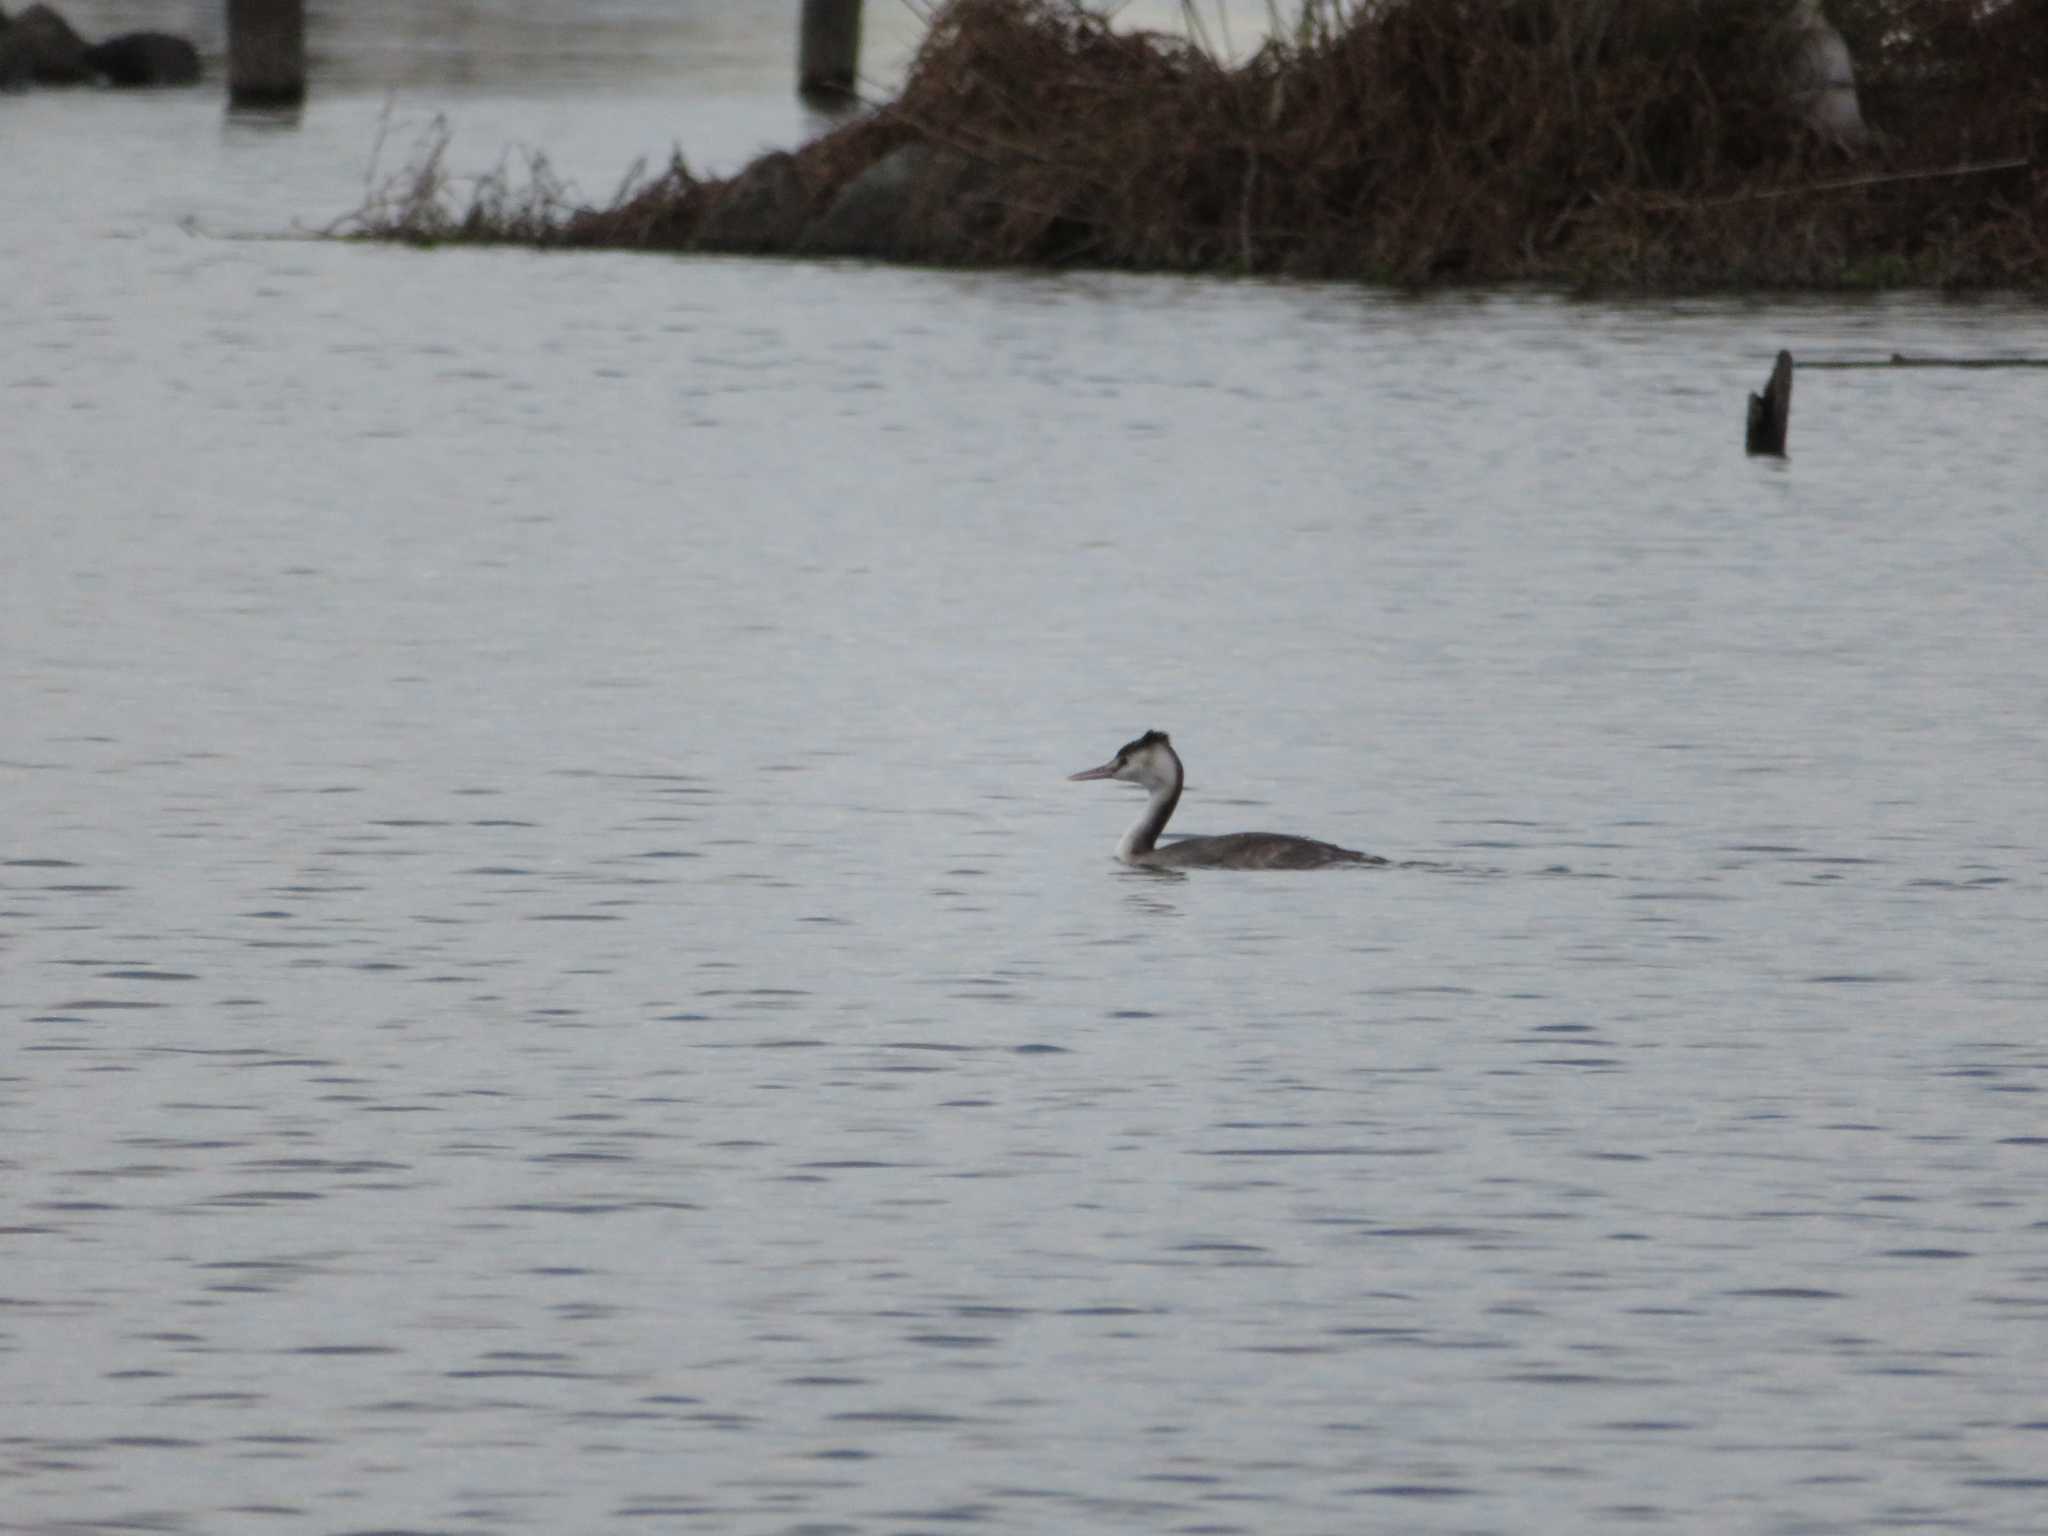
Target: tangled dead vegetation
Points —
{"points": [[1634, 143]]}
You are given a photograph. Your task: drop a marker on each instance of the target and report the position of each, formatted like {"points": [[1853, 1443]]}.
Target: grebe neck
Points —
{"points": [[1144, 834]]}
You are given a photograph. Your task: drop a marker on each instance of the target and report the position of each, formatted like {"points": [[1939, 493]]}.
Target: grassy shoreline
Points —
{"points": [[1635, 144]]}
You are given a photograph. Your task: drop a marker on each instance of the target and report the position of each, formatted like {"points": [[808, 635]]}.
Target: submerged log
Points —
{"points": [[1770, 413], [1900, 360]]}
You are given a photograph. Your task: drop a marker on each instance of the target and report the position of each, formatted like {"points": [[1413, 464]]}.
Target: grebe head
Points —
{"points": [[1150, 761]]}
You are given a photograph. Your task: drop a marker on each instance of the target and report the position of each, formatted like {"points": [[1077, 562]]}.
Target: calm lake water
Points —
{"points": [[550, 979]]}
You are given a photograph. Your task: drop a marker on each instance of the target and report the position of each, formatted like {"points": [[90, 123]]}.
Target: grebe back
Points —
{"points": [[1150, 761]]}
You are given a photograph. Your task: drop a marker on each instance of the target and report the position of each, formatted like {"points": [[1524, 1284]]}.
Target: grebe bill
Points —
{"points": [[1151, 761]]}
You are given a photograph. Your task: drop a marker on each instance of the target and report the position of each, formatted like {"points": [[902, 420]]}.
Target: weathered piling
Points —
{"points": [[1770, 413], [266, 53], [828, 52]]}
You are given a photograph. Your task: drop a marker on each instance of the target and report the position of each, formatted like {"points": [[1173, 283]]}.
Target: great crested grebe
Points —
{"points": [[1152, 762]]}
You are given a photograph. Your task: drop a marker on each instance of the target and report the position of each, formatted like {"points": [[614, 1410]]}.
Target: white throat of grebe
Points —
{"points": [[1150, 761]]}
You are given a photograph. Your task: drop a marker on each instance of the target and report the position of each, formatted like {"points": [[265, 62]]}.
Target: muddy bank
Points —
{"points": [[1630, 143]]}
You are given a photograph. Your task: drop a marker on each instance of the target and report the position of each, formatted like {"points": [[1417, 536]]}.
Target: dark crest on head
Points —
{"points": [[1149, 739]]}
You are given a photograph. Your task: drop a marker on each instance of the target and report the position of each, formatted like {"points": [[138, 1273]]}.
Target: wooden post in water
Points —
{"points": [[828, 52], [266, 53], [1770, 413]]}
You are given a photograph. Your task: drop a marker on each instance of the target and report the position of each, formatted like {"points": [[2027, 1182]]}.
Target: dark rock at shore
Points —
{"points": [[146, 59], [881, 212], [38, 47], [761, 209]]}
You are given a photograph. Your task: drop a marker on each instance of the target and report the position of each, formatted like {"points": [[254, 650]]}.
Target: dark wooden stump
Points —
{"points": [[266, 53], [828, 52], [1770, 413]]}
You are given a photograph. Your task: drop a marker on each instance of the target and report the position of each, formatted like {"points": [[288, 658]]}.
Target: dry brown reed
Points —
{"points": [[1646, 143]]}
